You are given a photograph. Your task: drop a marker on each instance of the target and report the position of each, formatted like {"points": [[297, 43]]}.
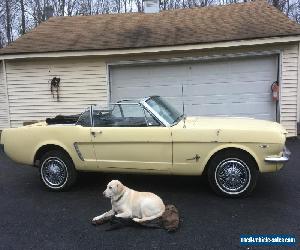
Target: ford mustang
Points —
{"points": [[150, 136]]}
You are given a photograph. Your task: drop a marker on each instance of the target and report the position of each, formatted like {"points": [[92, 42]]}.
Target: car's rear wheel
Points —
{"points": [[232, 173], [57, 171]]}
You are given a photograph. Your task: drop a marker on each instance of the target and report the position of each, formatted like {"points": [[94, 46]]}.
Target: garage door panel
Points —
{"points": [[139, 92], [209, 68], [244, 68], [227, 99], [244, 78], [232, 66], [237, 109], [152, 73], [227, 89], [254, 65], [232, 87], [251, 77], [175, 70], [224, 100], [146, 82]]}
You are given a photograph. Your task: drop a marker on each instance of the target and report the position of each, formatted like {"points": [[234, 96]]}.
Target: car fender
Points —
{"points": [[221, 147], [54, 143]]}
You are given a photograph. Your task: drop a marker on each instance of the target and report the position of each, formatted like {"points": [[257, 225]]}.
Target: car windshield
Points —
{"points": [[165, 110]]}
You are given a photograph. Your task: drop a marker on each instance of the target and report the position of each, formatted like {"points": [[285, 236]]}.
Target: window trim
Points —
{"points": [[91, 115], [155, 118], [153, 112]]}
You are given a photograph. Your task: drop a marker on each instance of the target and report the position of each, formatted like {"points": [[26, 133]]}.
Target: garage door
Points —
{"points": [[233, 87]]}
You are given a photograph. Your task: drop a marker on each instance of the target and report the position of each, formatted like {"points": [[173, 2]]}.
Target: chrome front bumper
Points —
{"points": [[279, 159]]}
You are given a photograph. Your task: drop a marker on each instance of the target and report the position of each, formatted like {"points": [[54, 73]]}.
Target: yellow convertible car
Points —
{"points": [[150, 136]]}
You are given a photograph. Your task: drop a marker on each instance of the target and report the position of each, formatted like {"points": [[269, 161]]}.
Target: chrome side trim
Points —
{"points": [[196, 157], [78, 151], [281, 159]]}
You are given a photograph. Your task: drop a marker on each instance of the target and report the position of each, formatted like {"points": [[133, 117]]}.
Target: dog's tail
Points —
{"points": [[153, 217]]}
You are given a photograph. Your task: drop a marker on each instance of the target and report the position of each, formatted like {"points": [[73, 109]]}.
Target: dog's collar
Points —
{"points": [[119, 198]]}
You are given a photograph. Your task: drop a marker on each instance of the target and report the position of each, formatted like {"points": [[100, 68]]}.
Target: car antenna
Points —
{"points": [[183, 109]]}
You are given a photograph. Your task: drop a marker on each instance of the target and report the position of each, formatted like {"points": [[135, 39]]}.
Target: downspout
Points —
{"points": [[6, 91], [280, 86], [298, 91]]}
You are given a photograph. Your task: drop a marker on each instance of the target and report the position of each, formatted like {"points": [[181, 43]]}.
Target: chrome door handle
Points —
{"points": [[94, 133]]}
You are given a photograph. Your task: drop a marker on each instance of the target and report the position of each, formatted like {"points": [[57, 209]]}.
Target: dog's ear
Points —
{"points": [[120, 187]]}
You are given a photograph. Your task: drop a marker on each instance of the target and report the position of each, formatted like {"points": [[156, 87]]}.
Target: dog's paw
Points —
{"points": [[136, 220], [96, 218]]}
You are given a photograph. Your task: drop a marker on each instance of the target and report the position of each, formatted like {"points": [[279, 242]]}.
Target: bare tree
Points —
{"points": [[139, 5], [71, 7], [62, 7], [23, 21], [8, 21], [2, 24]]}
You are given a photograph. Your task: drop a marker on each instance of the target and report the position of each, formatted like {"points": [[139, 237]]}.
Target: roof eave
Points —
{"points": [[112, 52]]}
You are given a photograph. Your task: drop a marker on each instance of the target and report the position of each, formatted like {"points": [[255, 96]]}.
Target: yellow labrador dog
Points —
{"points": [[128, 203]]}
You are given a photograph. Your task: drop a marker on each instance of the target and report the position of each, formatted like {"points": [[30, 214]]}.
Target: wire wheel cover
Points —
{"points": [[54, 172], [232, 176]]}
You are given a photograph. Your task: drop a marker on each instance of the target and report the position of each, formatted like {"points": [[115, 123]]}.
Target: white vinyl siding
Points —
{"points": [[289, 89], [83, 82], [4, 118]]}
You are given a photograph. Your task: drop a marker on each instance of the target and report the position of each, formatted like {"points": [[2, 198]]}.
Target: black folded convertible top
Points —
{"points": [[63, 119]]}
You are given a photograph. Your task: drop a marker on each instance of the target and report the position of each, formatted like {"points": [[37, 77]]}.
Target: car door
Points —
{"points": [[82, 141], [126, 137]]}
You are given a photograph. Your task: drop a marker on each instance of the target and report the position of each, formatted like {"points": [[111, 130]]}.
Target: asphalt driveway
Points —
{"points": [[34, 218]]}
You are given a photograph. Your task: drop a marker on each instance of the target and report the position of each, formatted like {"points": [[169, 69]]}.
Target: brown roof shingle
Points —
{"points": [[136, 30]]}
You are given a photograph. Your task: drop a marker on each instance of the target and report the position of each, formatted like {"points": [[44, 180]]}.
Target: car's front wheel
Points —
{"points": [[57, 171], [232, 173]]}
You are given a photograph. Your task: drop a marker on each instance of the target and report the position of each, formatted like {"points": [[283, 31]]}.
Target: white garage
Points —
{"points": [[215, 66], [227, 87]]}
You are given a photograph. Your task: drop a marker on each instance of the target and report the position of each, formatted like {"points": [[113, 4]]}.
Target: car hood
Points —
{"points": [[232, 122], [235, 129]]}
